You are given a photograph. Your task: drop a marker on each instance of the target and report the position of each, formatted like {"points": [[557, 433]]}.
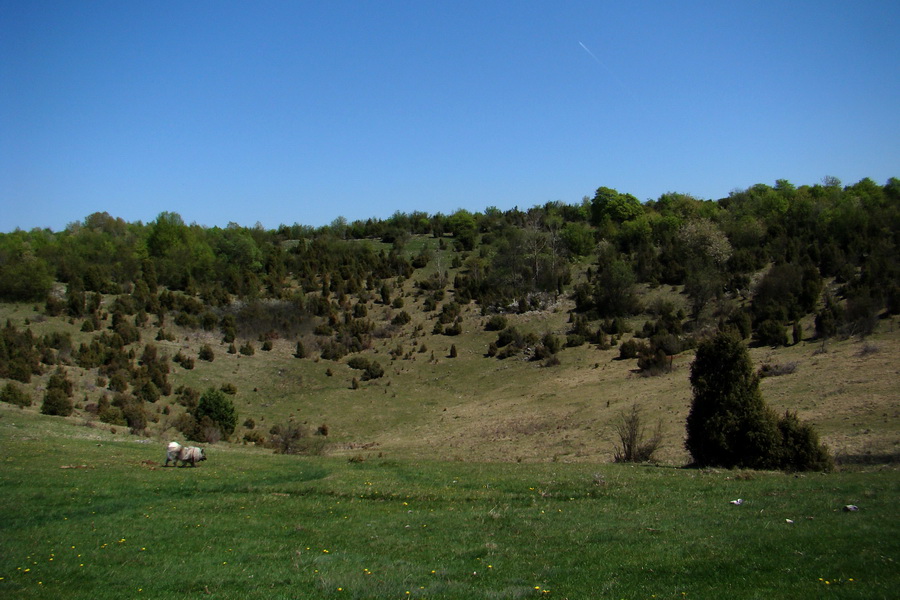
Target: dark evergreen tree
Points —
{"points": [[19, 358], [800, 447], [206, 353], [215, 406], [59, 380], [729, 424], [56, 403], [14, 394], [614, 290]]}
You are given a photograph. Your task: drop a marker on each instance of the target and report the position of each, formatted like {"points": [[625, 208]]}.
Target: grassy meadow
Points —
{"points": [[89, 514]]}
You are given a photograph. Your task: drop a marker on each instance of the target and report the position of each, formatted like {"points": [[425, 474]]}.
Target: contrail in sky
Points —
{"points": [[600, 62], [592, 55]]}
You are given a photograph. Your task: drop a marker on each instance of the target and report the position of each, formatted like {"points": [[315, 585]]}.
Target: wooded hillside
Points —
{"points": [[129, 322]]}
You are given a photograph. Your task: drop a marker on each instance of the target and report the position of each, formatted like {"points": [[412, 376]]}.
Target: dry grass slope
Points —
{"points": [[474, 408]]}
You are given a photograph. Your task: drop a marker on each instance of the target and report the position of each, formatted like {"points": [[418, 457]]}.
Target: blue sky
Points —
{"points": [[300, 112]]}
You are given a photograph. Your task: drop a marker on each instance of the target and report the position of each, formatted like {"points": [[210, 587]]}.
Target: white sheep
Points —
{"points": [[186, 454]]}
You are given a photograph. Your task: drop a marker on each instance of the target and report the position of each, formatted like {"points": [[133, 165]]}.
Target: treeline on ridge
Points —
{"points": [[756, 261]]}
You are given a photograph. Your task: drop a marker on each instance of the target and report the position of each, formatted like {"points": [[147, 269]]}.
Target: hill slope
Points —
{"points": [[472, 407], [502, 335]]}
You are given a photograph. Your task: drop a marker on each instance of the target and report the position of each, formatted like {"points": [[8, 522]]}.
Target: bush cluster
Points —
{"points": [[185, 361], [14, 394], [206, 353], [371, 369], [293, 438]]}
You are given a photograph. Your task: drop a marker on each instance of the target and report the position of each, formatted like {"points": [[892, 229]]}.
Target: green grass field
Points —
{"points": [[87, 514]]}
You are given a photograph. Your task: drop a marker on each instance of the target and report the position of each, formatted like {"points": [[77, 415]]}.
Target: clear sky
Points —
{"points": [[301, 111]]}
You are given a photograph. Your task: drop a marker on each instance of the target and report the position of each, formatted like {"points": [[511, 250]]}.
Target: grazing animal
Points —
{"points": [[186, 454], [172, 453], [191, 454]]}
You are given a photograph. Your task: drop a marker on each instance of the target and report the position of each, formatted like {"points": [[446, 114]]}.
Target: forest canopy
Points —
{"points": [[796, 236]]}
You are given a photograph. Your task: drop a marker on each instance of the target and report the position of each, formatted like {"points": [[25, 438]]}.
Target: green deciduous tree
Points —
{"points": [[617, 207], [578, 238], [462, 224], [23, 277], [704, 251]]}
